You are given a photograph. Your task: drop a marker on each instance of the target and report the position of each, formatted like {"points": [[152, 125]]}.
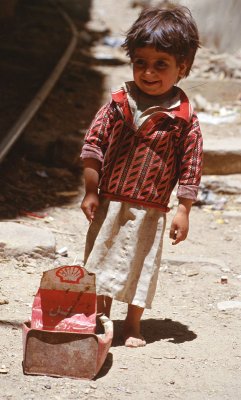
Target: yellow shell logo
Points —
{"points": [[70, 274]]}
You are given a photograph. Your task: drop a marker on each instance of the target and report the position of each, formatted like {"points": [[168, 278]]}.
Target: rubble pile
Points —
{"points": [[210, 64]]}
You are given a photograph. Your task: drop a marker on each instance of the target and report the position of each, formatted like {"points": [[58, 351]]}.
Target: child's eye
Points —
{"points": [[161, 64], [139, 62]]}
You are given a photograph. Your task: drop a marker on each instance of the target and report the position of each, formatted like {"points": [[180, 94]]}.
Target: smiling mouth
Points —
{"points": [[148, 83]]}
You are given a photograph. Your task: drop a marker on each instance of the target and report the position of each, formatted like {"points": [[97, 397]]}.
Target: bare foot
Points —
{"points": [[132, 338]]}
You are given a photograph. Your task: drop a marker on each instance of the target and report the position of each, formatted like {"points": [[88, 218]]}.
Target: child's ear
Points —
{"points": [[182, 69]]}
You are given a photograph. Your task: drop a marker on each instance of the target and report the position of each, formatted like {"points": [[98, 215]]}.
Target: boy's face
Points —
{"points": [[155, 72]]}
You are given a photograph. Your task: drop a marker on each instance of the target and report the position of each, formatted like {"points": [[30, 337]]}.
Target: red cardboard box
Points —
{"points": [[65, 336]]}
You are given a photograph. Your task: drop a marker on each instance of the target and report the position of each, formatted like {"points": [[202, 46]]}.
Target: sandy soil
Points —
{"points": [[193, 348]]}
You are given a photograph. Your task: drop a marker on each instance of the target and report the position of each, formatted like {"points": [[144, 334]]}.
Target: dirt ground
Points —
{"points": [[193, 349]]}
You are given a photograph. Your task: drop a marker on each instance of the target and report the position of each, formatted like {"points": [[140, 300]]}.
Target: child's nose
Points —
{"points": [[149, 70]]}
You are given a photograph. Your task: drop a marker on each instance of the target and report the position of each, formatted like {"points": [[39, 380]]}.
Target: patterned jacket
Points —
{"points": [[143, 165]]}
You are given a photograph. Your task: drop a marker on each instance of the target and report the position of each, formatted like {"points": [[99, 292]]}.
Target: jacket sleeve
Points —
{"points": [[97, 136], [191, 160]]}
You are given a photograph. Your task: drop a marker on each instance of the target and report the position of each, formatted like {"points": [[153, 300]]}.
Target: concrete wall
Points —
{"points": [[219, 22]]}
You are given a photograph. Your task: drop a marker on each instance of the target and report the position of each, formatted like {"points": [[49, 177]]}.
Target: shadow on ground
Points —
{"points": [[155, 330], [106, 366]]}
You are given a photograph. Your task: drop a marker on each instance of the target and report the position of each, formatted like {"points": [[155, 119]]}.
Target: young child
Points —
{"points": [[139, 145]]}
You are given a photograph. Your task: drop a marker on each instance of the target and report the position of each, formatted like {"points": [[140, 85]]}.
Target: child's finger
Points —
{"points": [[178, 237], [174, 237], [88, 213], [92, 212], [89, 210], [173, 232]]}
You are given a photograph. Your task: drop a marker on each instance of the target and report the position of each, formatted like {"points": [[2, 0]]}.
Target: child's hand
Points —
{"points": [[179, 227], [89, 205], [180, 223]]}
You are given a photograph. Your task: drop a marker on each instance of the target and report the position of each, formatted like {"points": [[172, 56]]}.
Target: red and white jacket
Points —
{"points": [[143, 164]]}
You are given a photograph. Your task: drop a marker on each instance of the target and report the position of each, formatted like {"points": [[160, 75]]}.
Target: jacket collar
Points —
{"points": [[183, 111]]}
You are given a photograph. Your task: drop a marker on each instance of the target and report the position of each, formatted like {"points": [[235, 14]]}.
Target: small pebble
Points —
{"points": [[93, 385], [63, 251], [3, 369], [224, 279], [3, 301]]}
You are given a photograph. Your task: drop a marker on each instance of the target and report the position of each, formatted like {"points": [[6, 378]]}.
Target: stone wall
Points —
{"points": [[219, 22]]}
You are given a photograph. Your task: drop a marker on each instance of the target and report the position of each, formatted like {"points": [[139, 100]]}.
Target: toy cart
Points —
{"points": [[65, 336]]}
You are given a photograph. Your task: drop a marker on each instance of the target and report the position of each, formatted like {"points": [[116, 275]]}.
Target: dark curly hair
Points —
{"points": [[171, 29]]}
